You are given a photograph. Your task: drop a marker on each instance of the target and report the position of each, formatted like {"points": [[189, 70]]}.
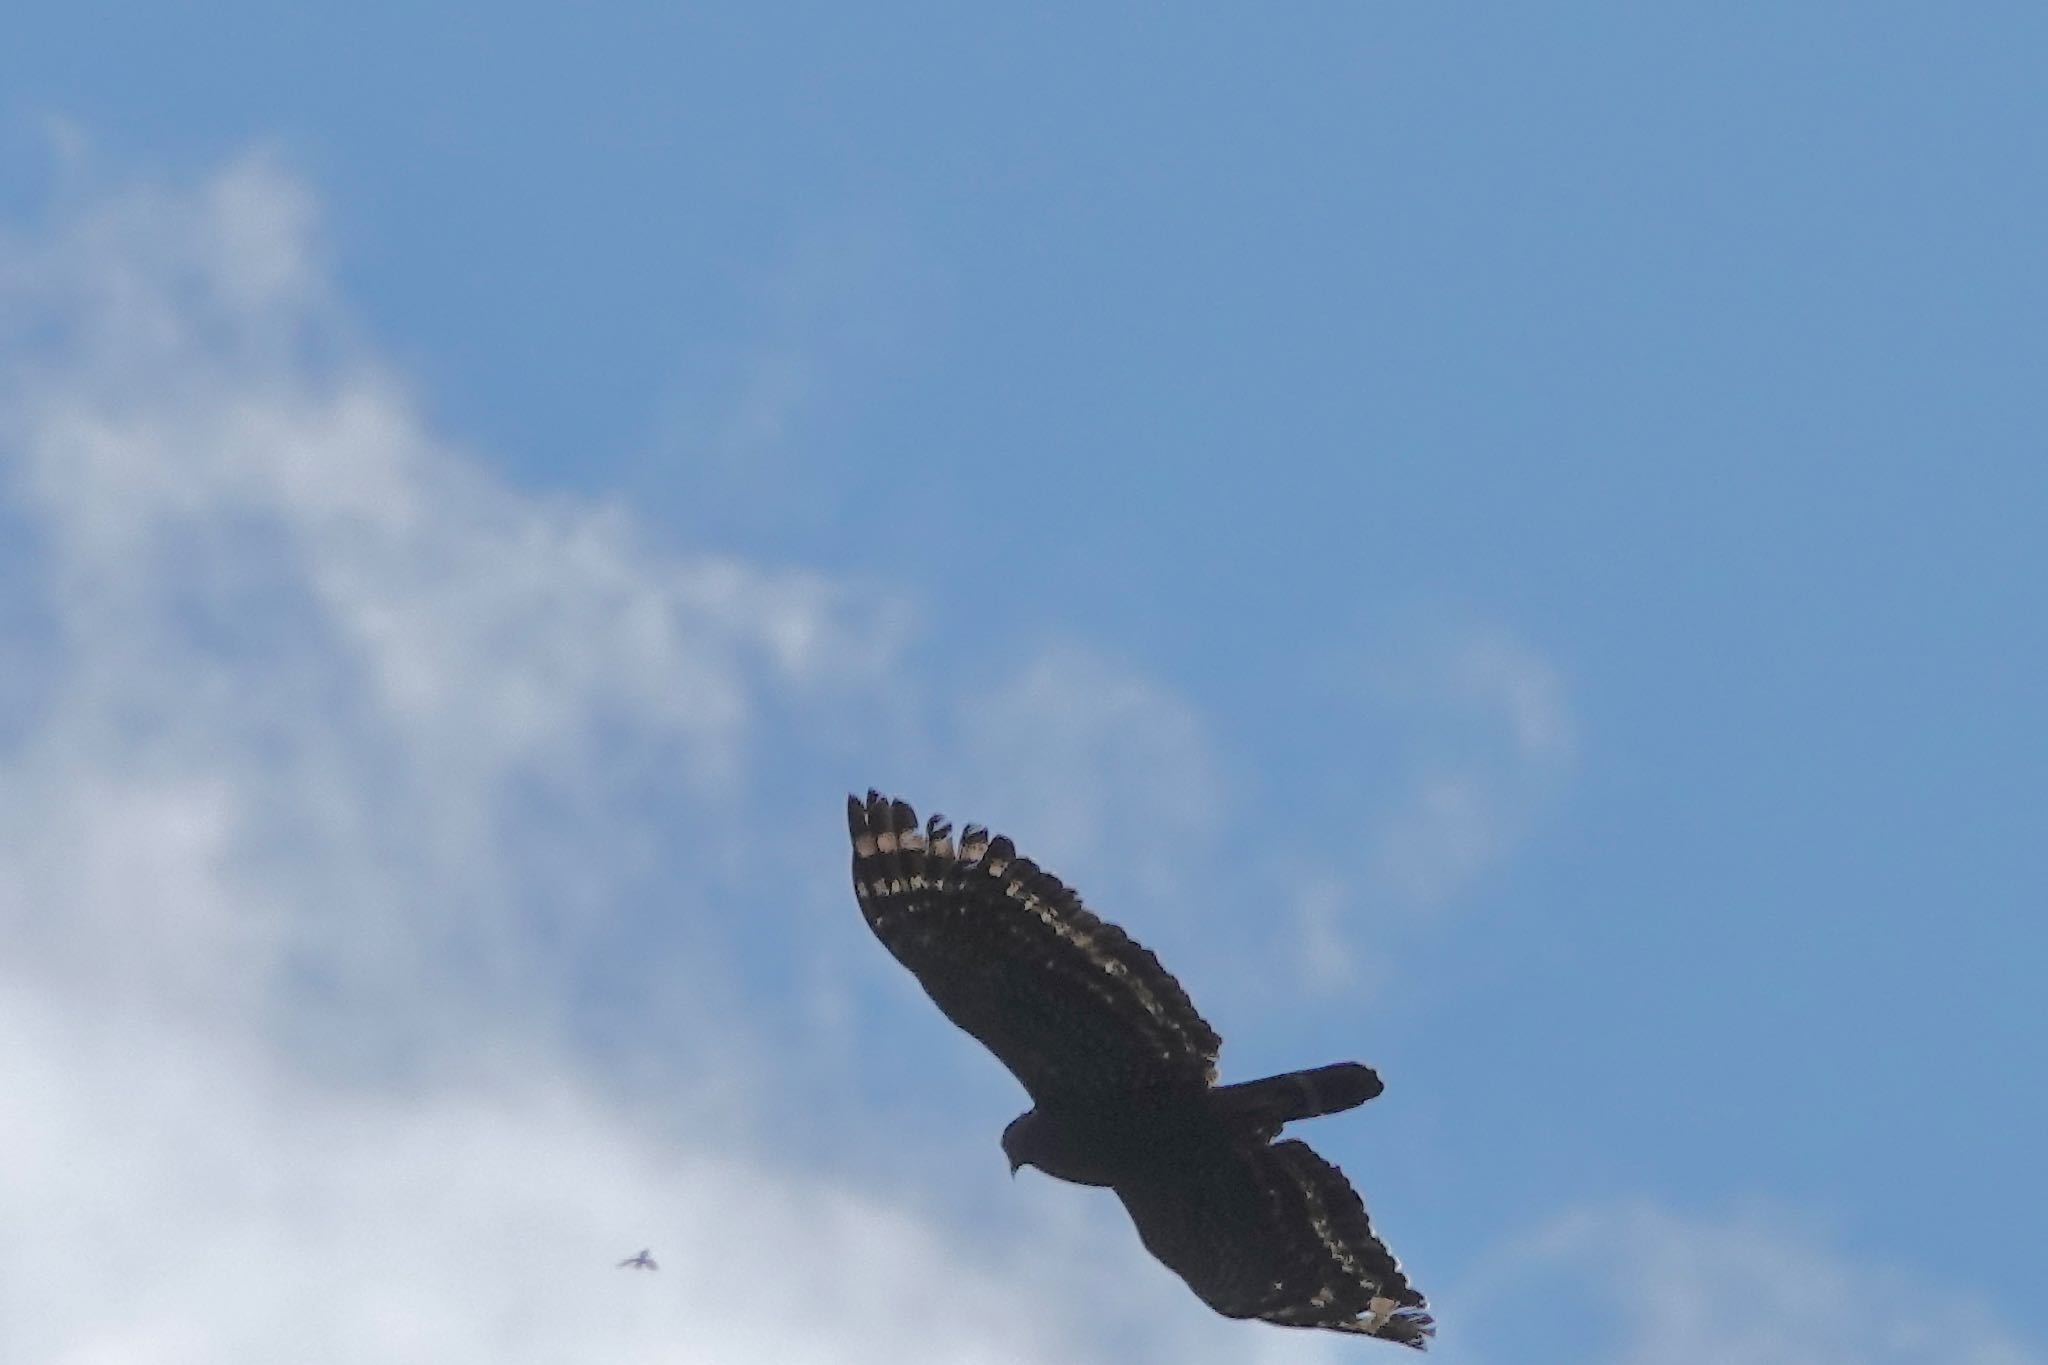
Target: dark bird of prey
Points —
{"points": [[641, 1262], [1121, 1071]]}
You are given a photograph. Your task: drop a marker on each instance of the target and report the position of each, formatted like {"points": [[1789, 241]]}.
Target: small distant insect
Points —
{"points": [[643, 1261]]}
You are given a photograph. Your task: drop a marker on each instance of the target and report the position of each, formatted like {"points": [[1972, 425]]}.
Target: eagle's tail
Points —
{"points": [[1274, 1100]]}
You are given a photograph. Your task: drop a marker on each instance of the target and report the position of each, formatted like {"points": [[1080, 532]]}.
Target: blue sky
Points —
{"points": [[1503, 546]]}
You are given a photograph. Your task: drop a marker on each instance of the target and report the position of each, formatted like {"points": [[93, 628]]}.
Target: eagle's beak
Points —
{"points": [[1014, 1164]]}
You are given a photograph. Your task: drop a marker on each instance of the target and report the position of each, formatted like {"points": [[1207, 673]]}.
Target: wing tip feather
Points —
{"points": [[1406, 1324], [857, 827]]}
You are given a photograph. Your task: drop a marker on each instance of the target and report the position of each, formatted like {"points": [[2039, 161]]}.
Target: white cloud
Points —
{"points": [[172, 1199], [335, 750], [1328, 962], [745, 421], [1499, 740], [1638, 1285], [1111, 774], [1484, 741], [304, 658]]}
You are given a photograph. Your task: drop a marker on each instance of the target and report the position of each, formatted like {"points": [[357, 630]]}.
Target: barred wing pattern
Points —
{"points": [[1275, 1233], [1073, 1006]]}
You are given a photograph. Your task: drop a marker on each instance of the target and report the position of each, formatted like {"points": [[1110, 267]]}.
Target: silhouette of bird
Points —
{"points": [[1121, 1071]]}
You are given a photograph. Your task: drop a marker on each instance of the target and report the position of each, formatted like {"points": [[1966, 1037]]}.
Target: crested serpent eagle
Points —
{"points": [[1121, 1071]]}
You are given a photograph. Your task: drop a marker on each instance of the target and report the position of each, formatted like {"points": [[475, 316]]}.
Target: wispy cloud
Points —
{"points": [[297, 644], [1484, 741], [1636, 1284], [340, 762], [744, 419], [1497, 740], [1109, 770], [172, 1199]]}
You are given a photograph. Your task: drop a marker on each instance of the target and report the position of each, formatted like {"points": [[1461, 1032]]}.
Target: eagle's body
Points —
{"points": [[1121, 1070], [1090, 1143], [1089, 1146]]}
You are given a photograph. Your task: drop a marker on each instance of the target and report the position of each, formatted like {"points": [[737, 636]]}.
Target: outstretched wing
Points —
{"points": [[1275, 1233], [1072, 1005]]}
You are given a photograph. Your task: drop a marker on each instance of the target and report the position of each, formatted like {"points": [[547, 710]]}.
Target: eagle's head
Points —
{"points": [[1017, 1139]]}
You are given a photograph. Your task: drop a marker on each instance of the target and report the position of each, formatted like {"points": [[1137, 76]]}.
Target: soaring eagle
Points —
{"points": [[1121, 1071]]}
